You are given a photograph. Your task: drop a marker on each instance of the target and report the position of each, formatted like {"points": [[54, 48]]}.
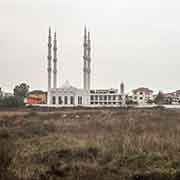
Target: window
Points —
{"points": [[96, 97], [100, 97], [105, 98], [114, 97], [141, 98], [72, 100], [54, 100], [65, 100], [60, 100], [141, 93], [120, 97], [109, 97], [92, 98], [79, 99]]}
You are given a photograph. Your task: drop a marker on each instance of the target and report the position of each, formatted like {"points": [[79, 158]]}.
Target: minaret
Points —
{"points": [[122, 88], [85, 57], [49, 57], [55, 62], [123, 95], [89, 62]]}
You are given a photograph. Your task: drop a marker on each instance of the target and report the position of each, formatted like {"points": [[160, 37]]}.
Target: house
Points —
{"points": [[32, 100], [142, 95], [5, 94], [172, 98], [36, 97]]}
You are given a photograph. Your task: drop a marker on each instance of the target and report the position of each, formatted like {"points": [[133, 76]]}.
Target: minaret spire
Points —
{"points": [[122, 88], [85, 57], [49, 57], [89, 61], [55, 62]]}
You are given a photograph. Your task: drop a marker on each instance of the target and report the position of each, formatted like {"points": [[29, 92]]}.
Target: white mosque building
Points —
{"points": [[67, 95]]}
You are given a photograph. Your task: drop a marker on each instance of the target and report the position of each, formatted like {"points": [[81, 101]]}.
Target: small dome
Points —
{"points": [[66, 85]]}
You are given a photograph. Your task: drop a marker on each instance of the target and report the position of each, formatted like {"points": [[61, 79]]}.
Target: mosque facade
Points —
{"points": [[68, 95]]}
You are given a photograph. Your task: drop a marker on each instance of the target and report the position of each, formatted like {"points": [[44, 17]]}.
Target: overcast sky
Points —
{"points": [[135, 41]]}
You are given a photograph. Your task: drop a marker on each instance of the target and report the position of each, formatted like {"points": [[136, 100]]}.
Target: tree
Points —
{"points": [[1, 93], [11, 101], [21, 90], [159, 98]]}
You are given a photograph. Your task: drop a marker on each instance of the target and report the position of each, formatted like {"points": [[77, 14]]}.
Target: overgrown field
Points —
{"points": [[90, 144]]}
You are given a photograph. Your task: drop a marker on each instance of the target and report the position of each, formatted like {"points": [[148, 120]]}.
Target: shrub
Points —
{"points": [[7, 151], [11, 101]]}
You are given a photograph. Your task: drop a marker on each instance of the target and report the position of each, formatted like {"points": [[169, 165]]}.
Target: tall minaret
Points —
{"points": [[49, 57], [85, 57], [89, 62], [122, 88], [55, 62], [123, 95]]}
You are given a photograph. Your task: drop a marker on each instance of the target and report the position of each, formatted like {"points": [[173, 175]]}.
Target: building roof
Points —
{"points": [[143, 89], [67, 86], [37, 92], [104, 91], [34, 98]]}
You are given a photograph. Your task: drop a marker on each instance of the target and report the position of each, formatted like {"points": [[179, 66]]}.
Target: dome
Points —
{"points": [[66, 85]]}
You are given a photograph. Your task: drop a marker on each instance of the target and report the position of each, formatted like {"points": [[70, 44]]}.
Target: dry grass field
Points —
{"points": [[87, 144]]}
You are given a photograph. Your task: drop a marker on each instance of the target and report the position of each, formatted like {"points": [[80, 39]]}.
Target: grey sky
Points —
{"points": [[135, 41]]}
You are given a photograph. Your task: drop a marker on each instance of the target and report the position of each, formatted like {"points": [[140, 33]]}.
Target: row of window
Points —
{"points": [[135, 97], [106, 97], [66, 100], [103, 92], [106, 103]]}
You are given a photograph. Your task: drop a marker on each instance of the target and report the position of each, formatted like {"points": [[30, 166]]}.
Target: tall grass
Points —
{"points": [[96, 144]]}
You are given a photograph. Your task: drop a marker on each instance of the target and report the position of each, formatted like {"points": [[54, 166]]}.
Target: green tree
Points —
{"points": [[1, 93], [159, 98], [21, 90], [11, 101]]}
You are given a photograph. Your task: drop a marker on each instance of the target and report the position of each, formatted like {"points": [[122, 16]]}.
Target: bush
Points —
{"points": [[11, 101], [7, 152]]}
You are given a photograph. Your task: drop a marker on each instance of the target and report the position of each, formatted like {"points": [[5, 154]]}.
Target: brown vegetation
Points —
{"points": [[86, 144]]}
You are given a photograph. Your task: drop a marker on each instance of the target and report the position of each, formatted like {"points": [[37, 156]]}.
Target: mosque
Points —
{"points": [[68, 95]]}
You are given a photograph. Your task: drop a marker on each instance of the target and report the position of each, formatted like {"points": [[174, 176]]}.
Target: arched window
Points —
{"points": [[65, 100], [72, 100], [54, 100], [79, 99], [60, 100]]}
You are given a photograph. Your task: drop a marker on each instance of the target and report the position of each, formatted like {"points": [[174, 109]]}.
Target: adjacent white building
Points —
{"points": [[5, 94], [68, 95]]}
